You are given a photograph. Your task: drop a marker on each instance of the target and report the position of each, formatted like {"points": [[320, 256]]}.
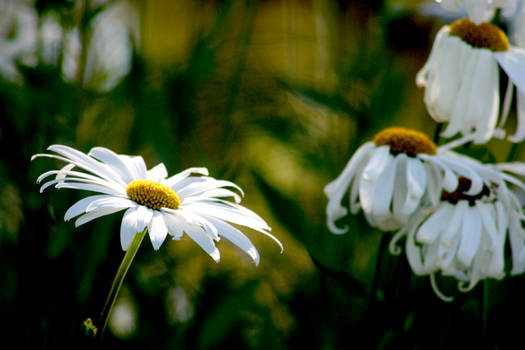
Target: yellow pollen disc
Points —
{"points": [[486, 35], [403, 140], [152, 194]]}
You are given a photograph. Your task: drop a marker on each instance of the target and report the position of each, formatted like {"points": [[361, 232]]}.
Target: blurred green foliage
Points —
{"points": [[274, 95]]}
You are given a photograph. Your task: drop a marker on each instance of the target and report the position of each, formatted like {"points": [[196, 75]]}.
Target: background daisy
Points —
{"points": [[398, 173], [471, 245], [461, 80]]}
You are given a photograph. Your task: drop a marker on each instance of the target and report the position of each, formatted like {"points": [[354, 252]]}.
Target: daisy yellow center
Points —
{"points": [[403, 140], [152, 194], [463, 186], [485, 35]]}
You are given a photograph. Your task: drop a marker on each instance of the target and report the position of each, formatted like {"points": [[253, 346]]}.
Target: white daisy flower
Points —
{"points": [[464, 237], [174, 205], [461, 78], [480, 10], [394, 175]]}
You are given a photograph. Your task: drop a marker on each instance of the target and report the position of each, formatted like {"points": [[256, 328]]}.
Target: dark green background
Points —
{"points": [[275, 96]]}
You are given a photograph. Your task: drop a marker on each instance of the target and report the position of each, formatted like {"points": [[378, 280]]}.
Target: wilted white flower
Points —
{"points": [[480, 10], [462, 78], [174, 205], [464, 237], [394, 175]]}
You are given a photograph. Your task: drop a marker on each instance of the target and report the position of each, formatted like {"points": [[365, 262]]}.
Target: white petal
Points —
{"points": [[236, 237], [157, 173], [203, 240], [422, 75], [114, 161], [157, 230], [434, 179], [433, 226], [383, 192], [337, 188], [520, 131], [449, 5], [144, 215], [200, 220], [81, 206], [110, 202], [94, 215], [222, 212], [478, 11], [430, 257], [507, 102], [414, 252], [204, 184], [450, 180], [517, 244], [85, 162], [465, 168], [517, 168], [450, 237], [65, 172], [221, 192], [442, 90], [380, 159], [90, 187], [470, 237], [128, 227], [172, 220], [416, 181], [467, 63], [173, 180], [140, 166], [513, 63], [400, 189], [483, 101], [485, 212]]}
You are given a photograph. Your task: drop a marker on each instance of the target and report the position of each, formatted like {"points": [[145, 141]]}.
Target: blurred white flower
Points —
{"points": [[461, 80], [391, 177], [464, 237], [174, 205], [479, 10], [178, 305], [123, 321], [18, 28], [110, 48]]}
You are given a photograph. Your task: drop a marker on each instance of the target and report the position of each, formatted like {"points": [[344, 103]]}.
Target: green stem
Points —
{"points": [[383, 244], [437, 132], [119, 279], [485, 308], [512, 152]]}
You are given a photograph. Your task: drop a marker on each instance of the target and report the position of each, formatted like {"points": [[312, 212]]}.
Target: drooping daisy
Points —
{"points": [[464, 237], [461, 78], [394, 175], [175, 205], [480, 10]]}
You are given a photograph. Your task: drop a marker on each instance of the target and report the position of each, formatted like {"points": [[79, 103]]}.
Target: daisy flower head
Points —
{"points": [[189, 202], [464, 236], [461, 80], [391, 177], [479, 10]]}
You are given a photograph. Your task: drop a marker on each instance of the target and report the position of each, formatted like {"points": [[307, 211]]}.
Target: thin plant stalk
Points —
{"points": [[119, 279], [485, 306]]}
